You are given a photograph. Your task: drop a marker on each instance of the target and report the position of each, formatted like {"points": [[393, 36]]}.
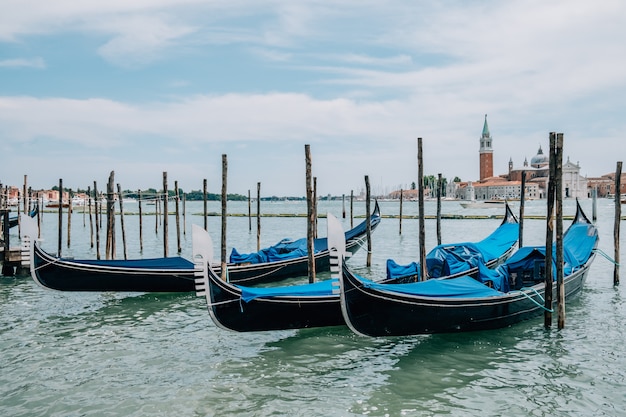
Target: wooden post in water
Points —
{"points": [[351, 209], [439, 190], [550, 234], [368, 223], [177, 207], [522, 199], [90, 217], [258, 216], [423, 273], [121, 203], [69, 216], [24, 197], [310, 215], [343, 206], [60, 236], [224, 213], [140, 221], [400, 214], [110, 244], [97, 218], [594, 204], [558, 189], [204, 198], [249, 212], [184, 214], [618, 215], [165, 216]]}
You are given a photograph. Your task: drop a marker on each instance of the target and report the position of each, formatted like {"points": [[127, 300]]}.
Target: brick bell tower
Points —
{"points": [[486, 153]]}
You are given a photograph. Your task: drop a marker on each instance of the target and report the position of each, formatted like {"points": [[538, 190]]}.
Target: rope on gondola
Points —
{"points": [[606, 256], [523, 292]]}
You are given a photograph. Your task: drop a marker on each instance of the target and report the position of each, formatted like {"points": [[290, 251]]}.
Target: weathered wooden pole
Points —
{"points": [[97, 218], [165, 217], [110, 244], [120, 200], [351, 209], [522, 200], [310, 215], [258, 216], [25, 196], [184, 214], [60, 236], [420, 198], [69, 217], [204, 199], [90, 217], [140, 220], [594, 204], [177, 207], [249, 212], [558, 189], [618, 215], [157, 204], [439, 185], [400, 214], [550, 234], [224, 213], [368, 223], [343, 206]]}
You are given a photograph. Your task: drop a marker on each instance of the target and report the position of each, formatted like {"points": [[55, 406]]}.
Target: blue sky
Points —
{"points": [[153, 86]]}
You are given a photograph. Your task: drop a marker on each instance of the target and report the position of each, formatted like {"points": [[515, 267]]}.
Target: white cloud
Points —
{"points": [[37, 63]]}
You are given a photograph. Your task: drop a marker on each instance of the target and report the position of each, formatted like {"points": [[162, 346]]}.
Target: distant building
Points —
{"points": [[509, 186]]}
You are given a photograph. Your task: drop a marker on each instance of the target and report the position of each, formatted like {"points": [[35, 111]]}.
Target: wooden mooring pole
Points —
{"points": [[249, 212], [60, 233], [165, 216], [69, 217], [520, 241], [400, 213], [110, 243], [439, 191], [224, 212], [618, 215], [368, 223], [97, 217], [420, 198], [558, 188], [258, 216], [549, 235], [177, 207], [140, 220], [120, 201], [204, 201], [351, 209], [310, 214]]}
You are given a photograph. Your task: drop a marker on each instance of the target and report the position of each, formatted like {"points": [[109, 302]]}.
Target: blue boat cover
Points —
{"points": [[321, 288], [449, 259], [462, 287], [290, 249], [174, 262]]}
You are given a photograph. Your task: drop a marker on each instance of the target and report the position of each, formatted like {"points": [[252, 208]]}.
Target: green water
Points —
{"points": [[130, 354]]}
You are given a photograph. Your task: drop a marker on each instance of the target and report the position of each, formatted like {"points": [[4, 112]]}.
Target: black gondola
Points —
{"points": [[495, 298], [172, 274]]}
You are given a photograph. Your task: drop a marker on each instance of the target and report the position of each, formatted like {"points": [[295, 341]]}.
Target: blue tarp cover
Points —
{"points": [[449, 259], [321, 288], [290, 249], [462, 287]]}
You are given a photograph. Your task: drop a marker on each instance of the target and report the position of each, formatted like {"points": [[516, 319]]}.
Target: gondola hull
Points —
{"points": [[378, 313], [515, 293], [174, 274]]}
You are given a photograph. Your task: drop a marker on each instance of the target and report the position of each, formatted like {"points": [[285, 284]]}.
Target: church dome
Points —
{"points": [[540, 160]]}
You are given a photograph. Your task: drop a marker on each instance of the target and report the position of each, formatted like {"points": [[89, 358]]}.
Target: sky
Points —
{"points": [[144, 87]]}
